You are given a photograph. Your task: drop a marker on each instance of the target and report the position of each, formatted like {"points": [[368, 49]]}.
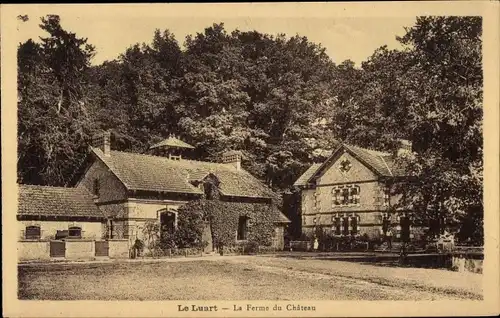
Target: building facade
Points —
{"points": [[132, 189], [49, 213], [351, 194]]}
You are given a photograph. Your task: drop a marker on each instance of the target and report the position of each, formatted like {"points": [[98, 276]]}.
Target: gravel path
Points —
{"points": [[467, 285], [229, 278]]}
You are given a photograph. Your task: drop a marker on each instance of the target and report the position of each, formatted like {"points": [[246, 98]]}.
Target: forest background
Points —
{"points": [[280, 100]]}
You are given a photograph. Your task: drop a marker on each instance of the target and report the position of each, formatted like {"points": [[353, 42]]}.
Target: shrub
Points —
{"points": [[223, 217], [190, 227], [167, 240], [251, 247], [138, 247], [151, 234]]}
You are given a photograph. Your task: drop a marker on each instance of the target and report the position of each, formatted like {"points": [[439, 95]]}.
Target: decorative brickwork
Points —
{"points": [[346, 195]]}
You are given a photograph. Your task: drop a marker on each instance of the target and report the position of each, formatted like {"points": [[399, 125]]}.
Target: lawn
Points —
{"points": [[223, 278]]}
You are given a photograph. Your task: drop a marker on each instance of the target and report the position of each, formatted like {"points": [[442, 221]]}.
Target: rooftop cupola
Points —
{"points": [[172, 147]]}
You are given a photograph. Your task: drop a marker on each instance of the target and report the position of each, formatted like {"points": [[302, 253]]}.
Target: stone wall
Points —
{"points": [[278, 237], [119, 248], [370, 197], [33, 250], [318, 204], [110, 187], [30, 250], [137, 214], [80, 249]]}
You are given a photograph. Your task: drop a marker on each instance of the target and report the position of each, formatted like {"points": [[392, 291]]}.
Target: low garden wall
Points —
{"points": [[240, 249], [171, 252], [118, 248], [33, 250], [71, 249], [248, 250], [302, 246], [80, 249]]}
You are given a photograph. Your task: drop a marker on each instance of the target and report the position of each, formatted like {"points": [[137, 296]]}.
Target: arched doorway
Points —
{"points": [[168, 221]]}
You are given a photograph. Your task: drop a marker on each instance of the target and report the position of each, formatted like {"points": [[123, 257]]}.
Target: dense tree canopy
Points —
{"points": [[277, 99], [55, 116]]}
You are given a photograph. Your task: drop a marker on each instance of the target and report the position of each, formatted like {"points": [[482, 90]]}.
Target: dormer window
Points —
{"points": [[387, 193]]}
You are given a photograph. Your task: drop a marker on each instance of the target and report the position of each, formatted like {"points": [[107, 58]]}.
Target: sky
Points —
{"points": [[111, 32]]}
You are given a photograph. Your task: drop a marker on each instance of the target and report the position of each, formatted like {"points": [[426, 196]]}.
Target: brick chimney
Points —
{"points": [[405, 147], [232, 158], [102, 141]]}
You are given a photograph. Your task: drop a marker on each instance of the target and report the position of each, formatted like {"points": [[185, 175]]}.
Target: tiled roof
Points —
{"points": [[281, 217], [56, 201], [376, 160], [154, 173], [302, 180], [172, 142], [381, 162]]}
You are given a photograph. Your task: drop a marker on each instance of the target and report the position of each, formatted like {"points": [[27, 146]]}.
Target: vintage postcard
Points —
{"points": [[250, 159]]}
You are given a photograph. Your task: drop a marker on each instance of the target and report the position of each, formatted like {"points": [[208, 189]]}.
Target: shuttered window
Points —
{"points": [[32, 232]]}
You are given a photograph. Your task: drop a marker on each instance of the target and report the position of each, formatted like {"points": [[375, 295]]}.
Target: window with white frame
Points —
{"points": [[386, 223], [344, 224], [337, 225], [317, 201], [387, 195], [345, 195], [354, 224], [404, 227]]}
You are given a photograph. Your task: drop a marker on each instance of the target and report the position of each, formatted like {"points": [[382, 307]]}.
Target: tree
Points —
{"points": [[54, 116], [151, 234], [443, 88], [431, 94], [255, 93]]}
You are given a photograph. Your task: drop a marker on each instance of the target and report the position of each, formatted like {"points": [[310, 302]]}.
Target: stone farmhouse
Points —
{"points": [[350, 194], [46, 215], [120, 191]]}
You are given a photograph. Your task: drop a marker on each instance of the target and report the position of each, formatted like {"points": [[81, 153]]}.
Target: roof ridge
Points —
{"points": [[44, 186], [137, 153], [373, 151], [162, 157]]}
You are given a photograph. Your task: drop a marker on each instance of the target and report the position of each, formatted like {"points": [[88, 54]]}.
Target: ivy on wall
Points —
{"points": [[223, 217]]}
